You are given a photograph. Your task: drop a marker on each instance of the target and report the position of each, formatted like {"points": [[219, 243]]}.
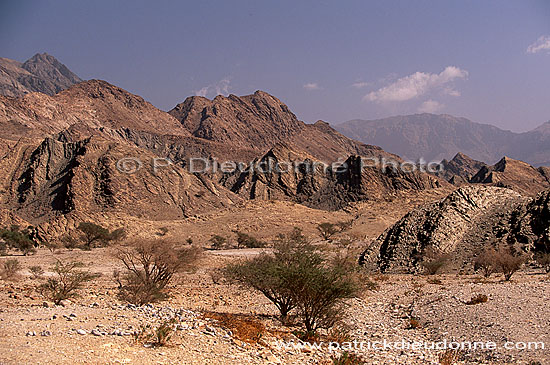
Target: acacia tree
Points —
{"points": [[486, 262], [297, 276], [508, 262], [274, 275], [321, 291], [93, 235], [15, 237]]}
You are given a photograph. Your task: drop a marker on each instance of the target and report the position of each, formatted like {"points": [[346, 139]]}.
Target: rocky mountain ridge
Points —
{"points": [[461, 226], [61, 155], [40, 73], [507, 172]]}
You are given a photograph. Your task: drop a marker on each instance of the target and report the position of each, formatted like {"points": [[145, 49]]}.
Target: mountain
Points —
{"points": [[262, 121], [61, 158], [437, 137], [461, 226], [89, 105], [509, 173], [40, 73], [57, 184]]}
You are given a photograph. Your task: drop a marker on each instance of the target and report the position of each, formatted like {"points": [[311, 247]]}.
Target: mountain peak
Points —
{"points": [[259, 119], [543, 128], [43, 57], [40, 73], [462, 157]]}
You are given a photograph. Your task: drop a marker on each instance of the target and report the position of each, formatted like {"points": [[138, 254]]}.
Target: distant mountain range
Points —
{"points": [[41, 72], [437, 137]]}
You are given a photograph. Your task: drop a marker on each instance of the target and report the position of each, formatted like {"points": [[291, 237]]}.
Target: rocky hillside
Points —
{"points": [[60, 153], [314, 184], [40, 73], [261, 121], [513, 174], [461, 225], [57, 184], [437, 137], [508, 173], [90, 107]]}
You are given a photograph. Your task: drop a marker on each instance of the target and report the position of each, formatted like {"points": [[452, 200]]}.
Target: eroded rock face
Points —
{"points": [[530, 223], [513, 174], [507, 173], [57, 184], [460, 169], [459, 225], [323, 186], [260, 121]]}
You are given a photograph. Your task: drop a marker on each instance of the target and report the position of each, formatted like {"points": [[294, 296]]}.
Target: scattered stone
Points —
{"points": [[80, 331], [97, 332], [65, 302], [31, 333]]}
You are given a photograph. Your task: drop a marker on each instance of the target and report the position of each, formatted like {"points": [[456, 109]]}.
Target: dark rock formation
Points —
{"points": [[462, 225]]}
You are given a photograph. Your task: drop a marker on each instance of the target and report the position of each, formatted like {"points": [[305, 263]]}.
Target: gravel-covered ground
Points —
{"points": [[98, 328]]}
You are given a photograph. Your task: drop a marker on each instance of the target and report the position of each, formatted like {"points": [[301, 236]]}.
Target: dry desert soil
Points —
{"points": [[219, 323]]}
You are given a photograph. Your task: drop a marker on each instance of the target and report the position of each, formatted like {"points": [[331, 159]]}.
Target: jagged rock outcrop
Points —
{"points": [[284, 174], [462, 225], [58, 184], [460, 169], [259, 119], [530, 223], [41, 73], [513, 174]]}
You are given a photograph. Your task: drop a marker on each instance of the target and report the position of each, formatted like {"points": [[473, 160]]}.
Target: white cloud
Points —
{"points": [[201, 92], [219, 88], [417, 84], [312, 86], [430, 106], [360, 84], [541, 44], [451, 92]]}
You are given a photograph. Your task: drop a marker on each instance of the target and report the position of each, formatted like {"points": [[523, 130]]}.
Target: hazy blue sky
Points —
{"points": [[331, 60]]}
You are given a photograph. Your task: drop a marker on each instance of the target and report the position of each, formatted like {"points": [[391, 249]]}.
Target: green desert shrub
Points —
{"points": [[67, 280], [296, 276]]}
